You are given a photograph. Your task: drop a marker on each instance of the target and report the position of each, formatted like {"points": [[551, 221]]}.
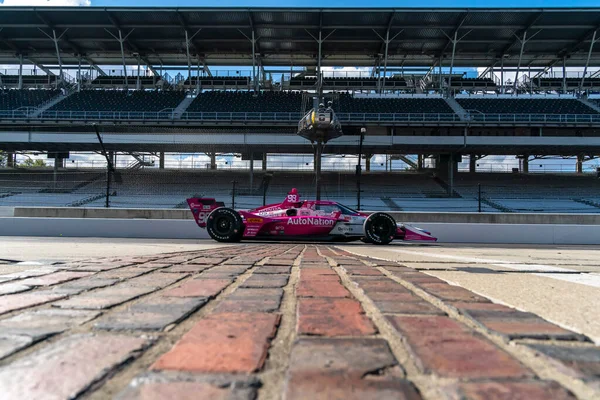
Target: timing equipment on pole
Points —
{"points": [[319, 125]]}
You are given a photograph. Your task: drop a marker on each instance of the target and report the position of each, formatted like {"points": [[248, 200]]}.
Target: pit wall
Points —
{"points": [[178, 224]]}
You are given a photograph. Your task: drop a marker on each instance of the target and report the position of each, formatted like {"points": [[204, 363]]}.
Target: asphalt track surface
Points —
{"points": [[351, 321]]}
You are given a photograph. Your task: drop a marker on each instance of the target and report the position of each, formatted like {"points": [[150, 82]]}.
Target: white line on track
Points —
{"points": [[579, 278]]}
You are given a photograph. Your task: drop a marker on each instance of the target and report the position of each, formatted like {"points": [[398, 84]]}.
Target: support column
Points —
{"points": [[213, 160], [138, 83], [20, 71], [121, 40], [319, 74], [523, 41], [60, 68], [368, 162], [189, 61], [472, 163], [502, 74], [564, 71], [79, 73], [452, 62], [251, 172], [580, 164], [525, 163], [587, 62], [264, 162], [11, 160], [420, 162], [161, 160]]}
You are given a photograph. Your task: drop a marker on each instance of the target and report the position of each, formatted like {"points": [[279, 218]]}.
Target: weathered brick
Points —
{"points": [[94, 267], [63, 370], [42, 323], [415, 307], [527, 390], [447, 348], [419, 279], [224, 342], [315, 265], [517, 324], [151, 314], [206, 260], [578, 362], [381, 286], [104, 298], [11, 288], [313, 288], [273, 269], [251, 300], [189, 268], [11, 344], [13, 302], [155, 280], [230, 270], [81, 285], [266, 281], [27, 273], [53, 279], [160, 386], [324, 369], [199, 288], [123, 273], [451, 293], [398, 297], [154, 265], [332, 317], [309, 274], [362, 271]]}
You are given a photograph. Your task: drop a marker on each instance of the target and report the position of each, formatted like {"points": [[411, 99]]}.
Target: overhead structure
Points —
{"points": [[458, 37]]}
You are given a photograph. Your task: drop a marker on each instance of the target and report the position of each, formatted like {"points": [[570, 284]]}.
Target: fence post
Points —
{"points": [[233, 194], [479, 197]]}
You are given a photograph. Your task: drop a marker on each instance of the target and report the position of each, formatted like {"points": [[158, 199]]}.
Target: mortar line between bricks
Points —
{"points": [[524, 355], [424, 382], [167, 340], [273, 374]]}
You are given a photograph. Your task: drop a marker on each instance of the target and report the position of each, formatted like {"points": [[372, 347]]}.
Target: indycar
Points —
{"points": [[295, 219]]}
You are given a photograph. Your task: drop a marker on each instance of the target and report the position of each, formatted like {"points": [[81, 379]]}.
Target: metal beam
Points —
{"points": [[523, 41], [587, 62]]}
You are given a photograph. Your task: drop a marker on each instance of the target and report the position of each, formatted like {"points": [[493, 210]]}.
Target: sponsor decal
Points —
{"points": [[206, 207], [311, 221], [254, 220]]}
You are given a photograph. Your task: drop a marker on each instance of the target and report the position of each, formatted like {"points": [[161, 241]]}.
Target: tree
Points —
{"points": [[31, 163]]}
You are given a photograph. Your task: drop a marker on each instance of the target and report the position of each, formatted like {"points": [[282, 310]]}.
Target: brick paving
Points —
{"points": [[280, 321]]}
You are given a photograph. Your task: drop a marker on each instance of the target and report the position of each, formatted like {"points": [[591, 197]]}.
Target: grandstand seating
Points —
{"points": [[119, 100], [525, 106], [475, 83], [217, 81], [120, 80], [349, 104], [13, 99], [246, 102], [557, 83], [349, 82], [152, 188], [28, 80]]}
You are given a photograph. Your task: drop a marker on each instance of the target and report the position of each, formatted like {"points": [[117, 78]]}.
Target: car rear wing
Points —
{"points": [[201, 207]]}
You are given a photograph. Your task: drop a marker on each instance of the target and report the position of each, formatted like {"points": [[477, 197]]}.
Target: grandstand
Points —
{"points": [[236, 81]]}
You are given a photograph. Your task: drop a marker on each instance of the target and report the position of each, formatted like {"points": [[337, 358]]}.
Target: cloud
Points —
{"points": [[49, 3]]}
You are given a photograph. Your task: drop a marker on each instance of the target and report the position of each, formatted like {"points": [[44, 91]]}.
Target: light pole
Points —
{"points": [[359, 166]]}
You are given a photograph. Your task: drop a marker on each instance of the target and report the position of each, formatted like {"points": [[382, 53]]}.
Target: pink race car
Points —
{"points": [[294, 219]]}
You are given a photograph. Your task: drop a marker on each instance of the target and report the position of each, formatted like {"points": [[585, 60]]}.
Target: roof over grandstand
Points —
{"points": [[289, 36]]}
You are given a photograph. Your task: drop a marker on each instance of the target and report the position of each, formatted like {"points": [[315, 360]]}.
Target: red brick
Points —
{"points": [[332, 317], [451, 293], [273, 269], [321, 289], [63, 369], [192, 268], [516, 324], [382, 286], [466, 306], [206, 260], [404, 297], [309, 274], [199, 288], [224, 342], [415, 307], [578, 362], [248, 305], [104, 298], [42, 323], [54, 278], [266, 281], [447, 348], [14, 302], [528, 390]]}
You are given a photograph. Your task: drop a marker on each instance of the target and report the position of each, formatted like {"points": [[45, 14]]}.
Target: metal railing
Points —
{"points": [[165, 115]]}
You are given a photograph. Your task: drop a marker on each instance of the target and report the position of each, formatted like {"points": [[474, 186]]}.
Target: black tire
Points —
{"points": [[225, 225], [380, 228]]}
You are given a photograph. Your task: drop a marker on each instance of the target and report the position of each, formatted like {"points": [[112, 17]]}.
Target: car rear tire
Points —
{"points": [[380, 228], [225, 225]]}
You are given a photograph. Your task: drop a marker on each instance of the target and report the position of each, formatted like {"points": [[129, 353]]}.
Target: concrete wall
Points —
{"points": [[187, 229], [471, 218]]}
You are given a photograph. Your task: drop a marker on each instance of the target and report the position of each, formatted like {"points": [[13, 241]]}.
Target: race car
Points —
{"points": [[296, 219]]}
